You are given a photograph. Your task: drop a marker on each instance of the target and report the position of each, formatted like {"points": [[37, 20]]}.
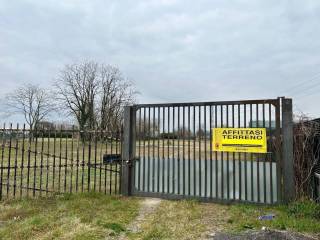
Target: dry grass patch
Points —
{"points": [[183, 220]]}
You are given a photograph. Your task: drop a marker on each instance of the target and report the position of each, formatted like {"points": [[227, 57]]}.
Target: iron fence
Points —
{"points": [[46, 161]]}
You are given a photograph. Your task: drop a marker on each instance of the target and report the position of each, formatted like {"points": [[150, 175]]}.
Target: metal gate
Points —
{"points": [[169, 151]]}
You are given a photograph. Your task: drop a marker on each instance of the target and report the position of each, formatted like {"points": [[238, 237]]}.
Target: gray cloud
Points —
{"points": [[172, 50]]}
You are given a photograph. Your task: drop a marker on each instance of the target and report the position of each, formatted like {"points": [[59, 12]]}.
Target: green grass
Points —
{"points": [[96, 216], [302, 216], [77, 216]]}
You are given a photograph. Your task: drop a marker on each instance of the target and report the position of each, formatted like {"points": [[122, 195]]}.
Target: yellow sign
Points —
{"points": [[252, 140]]}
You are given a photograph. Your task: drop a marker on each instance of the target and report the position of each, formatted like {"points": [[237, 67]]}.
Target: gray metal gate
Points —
{"points": [[168, 152]]}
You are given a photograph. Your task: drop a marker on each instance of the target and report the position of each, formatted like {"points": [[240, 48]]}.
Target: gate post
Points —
{"points": [[128, 150], [287, 151]]}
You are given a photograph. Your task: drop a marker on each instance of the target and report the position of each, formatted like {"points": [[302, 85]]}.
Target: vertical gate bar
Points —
{"points": [[35, 162], [153, 148], [194, 151], [60, 156], [183, 151], [287, 151], [158, 148], [173, 150], [139, 149], [106, 170], [205, 153], [63, 134], [168, 157], [66, 160], [47, 160], [264, 161], [189, 156], [22, 159], [111, 168], [233, 158], [163, 161], [210, 139], [239, 156], [89, 159], [101, 164], [41, 159], [128, 150], [134, 146], [179, 132], [132, 165], [16, 161], [83, 139], [245, 160], [116, 165], [222, 156], [200, 170], [112, 151], [95, 158], [251, 156], [163, 143], [148, 138], [28, 164], [258, 160], [144, 151], [72, 149], [2, 159], [9, 160], [270, 162], [134, 157], [54, 158], [119, 151], [278, 151], [216, 153], [228, 176], [78, 158]]}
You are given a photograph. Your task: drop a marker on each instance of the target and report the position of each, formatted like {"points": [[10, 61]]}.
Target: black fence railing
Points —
{"points": [[43, 161]]}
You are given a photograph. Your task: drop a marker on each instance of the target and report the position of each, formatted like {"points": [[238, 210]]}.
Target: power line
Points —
{"points": [[307, 81], [308, 90], [305, 88]]}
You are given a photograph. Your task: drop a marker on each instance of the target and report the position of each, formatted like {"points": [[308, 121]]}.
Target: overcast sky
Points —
{"points": [[172, 50]]}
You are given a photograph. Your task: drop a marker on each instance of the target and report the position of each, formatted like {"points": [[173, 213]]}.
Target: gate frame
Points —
{"points": [[284, 153]]}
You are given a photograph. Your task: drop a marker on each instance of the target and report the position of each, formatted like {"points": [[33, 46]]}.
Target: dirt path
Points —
{"points": [[148, 206]]}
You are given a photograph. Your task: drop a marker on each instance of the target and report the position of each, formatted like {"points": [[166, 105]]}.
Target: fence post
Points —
{"points": [[128, 150], [287, 151]]}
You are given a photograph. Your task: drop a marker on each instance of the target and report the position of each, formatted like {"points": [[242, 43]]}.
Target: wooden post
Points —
{"points": [[287, 151], [128, 150]]}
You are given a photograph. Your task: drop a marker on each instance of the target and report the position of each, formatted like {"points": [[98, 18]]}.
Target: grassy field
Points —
{"points": [[78, 216], [303, 216], [96, 216], [194, 220]]}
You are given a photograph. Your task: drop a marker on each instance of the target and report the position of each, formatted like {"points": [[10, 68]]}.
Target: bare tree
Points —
{"points": [[94, 94], [31, 101], [115, 92], [306, 154], [77, 88]]}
